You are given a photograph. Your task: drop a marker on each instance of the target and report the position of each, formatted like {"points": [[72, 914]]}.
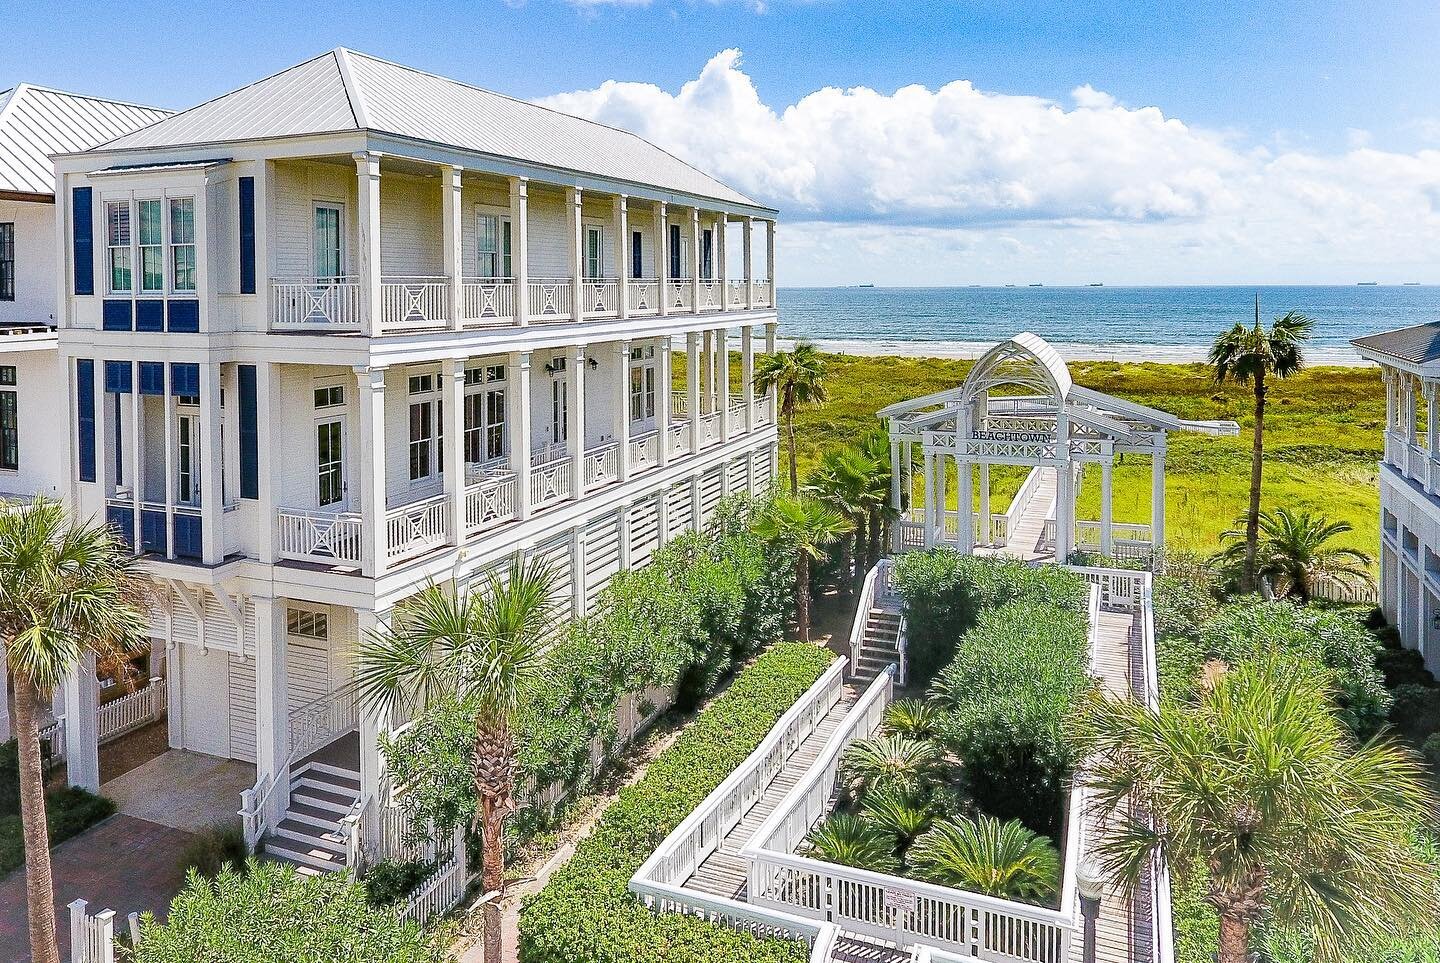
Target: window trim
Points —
{"points": [[9, 397], [596, 230], [505, 244], [130, 202], [7, 242]]}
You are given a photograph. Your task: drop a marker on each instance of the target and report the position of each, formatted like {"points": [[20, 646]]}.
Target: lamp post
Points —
{"points": [[1090, 881]]}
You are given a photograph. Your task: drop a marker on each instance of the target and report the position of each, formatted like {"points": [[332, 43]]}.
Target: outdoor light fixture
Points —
{"points": [[594, 364], [1090, 882], [1435, 621]]}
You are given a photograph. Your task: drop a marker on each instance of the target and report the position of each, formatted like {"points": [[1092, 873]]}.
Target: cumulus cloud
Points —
{"points": [[1079, 181]]}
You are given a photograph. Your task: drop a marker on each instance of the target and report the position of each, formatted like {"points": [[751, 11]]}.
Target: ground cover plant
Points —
{"points": [[69, 810], [585, 914]]}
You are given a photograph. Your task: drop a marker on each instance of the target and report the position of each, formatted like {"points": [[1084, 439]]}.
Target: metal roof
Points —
{"points": [[37, 122], [343, 91], [1418, 345]]}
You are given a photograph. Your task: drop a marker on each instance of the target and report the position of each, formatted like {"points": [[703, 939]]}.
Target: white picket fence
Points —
{"points": [[131, 711], [443, 888]]}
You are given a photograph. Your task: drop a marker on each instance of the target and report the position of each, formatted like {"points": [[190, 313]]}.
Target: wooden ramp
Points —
{"points": [[1024, 541]]}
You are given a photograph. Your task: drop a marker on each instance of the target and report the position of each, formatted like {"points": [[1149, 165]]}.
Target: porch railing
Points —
{"points": [[709, 429], [328, 303], [414, 302], [318, 536], [490, 500], [550, 299], [645, 451], [417, 528], [131, 711], [764, 294], [487, 301], [549, 479], [602, 464], [602, 297], [318, 722], [712, 297], [677, 294], [644, 296], [680, 438], [735, 294]]}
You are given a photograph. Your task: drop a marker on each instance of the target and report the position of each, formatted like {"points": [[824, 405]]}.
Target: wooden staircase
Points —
{"points": [[312, 835], [879, 645]]}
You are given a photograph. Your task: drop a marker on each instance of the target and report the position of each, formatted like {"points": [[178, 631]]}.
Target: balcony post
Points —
{"points": [[452, 378], [367, 262], [82, 744], [771, 300], [272, 715], [692, 387], [965, 504], [770, 397], [264, 250], [722, 379], [987, 521], [1107, 526], [170, 472], [370, 383], [517, 423], [746, 242], [622, 256], [373, 723], [520, 251], [271, 479], [212, 495], [665, 389], [1157, 500], [707, 372], [1432, 434], [622, 408], [575, 230], [1410, 419], [137, 445], [721, 278], [575, 419], [451, 207], [662, 259], [694, 260], [747, 375]]}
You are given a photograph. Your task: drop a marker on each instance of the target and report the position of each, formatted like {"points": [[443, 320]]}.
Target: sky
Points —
{"points": [[919, 143]]}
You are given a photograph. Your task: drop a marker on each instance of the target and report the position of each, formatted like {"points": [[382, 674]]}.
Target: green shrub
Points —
{"points": [[585, 914], [274, 915], [1431, 751], [1416, 711], [390, 881], [69, 811], [1402, 667], [211, 850]]}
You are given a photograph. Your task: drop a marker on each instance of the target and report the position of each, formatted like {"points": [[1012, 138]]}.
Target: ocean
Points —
{"points": [[1120, 323]]}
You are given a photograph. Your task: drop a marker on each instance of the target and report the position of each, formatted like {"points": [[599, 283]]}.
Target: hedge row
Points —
{"points": [[586, 915]]}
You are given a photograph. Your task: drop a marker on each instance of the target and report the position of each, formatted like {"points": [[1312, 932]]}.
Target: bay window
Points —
{"points": [[182, 243], [161, 245], [117, 244]]}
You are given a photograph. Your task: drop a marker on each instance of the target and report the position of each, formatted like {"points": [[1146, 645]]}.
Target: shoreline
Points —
{"points": [[1127, 353]]}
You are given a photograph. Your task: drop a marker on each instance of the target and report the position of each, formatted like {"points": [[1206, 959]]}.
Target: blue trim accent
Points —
{"points": [[188, 540], [118, 315], [152, 531], [123, 521], [149, 314], [152, 377], [185, 378], [247, 235], [184, 315], [85, 417], [82, 239], [118, 380], [249, 433]]}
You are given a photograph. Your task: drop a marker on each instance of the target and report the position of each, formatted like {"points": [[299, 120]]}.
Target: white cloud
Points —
{"points": [[965, 182]]}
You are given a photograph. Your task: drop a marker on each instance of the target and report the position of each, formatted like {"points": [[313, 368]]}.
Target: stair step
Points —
{"points": [[328, 776], [305, 853], [325, 818], [323, 795], [307, 834]]}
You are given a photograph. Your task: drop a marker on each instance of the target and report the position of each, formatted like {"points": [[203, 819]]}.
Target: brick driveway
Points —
{"points": [[124, 863]]}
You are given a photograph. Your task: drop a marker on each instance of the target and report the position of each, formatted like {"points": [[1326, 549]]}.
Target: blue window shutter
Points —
{"points": [[249, 434], [637, 261], [183, 315], [85, 416], [117, 377], [82, 239], [149, 314], [118, 315], [247, 235], [152, 377], [185, 379]]}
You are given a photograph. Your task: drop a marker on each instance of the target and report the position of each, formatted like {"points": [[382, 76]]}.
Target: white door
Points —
{"points": [[207, 700]]}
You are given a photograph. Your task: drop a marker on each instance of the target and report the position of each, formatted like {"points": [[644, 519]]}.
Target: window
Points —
{"points": [[330, 462], [559, 416], [493, 246], [7, 261], [485, 414], [637, 262], [707, 254], [594, 253], [675, 258], [642, 383], [117, 243], [9, 420], [330, 396], [307, 624], [182, 243], [421, 384], [328, 253], [152, 258], [188, 460], [425, 428]]}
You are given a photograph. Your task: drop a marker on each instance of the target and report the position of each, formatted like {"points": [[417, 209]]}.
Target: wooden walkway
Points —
{"points": [[1024, 541]]}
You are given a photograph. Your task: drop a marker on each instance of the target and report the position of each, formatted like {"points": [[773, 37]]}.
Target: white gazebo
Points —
{"points": [[1019, 406]]}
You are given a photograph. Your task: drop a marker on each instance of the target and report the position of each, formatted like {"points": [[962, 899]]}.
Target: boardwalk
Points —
{"points": [[1024, 541]]}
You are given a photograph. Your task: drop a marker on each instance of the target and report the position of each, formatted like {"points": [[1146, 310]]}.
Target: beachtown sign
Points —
{"points": [[1022, 437]]}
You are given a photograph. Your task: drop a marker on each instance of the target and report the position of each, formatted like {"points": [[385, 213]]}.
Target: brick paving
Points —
{"points": [[124, 863]]}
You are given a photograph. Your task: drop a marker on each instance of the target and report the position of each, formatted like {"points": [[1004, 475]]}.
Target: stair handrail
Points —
{"points": [[862, 615]]}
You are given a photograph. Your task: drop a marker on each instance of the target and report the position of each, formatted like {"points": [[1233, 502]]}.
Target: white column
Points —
{"points": [[694, 260], [1157, 499], [517, 423], [171, 471], [367, 261], [137, 442], [692, 386], [965, 506], [520, 247], [268, 425], [622, 255], [722, 380], [575, 231], [721, 277], [575, 419], [707, 372], [663, 400], [662, 260], [622, 408], [929, 499], [452, 207], [452, 379], [370, 383], [1432, 434], [770, 261], [746, 246], [1107, 544], [175, 694], [942, 500], [987, 522], [1064, 510], [373, 723], [895, 475], [272, 713], [82, 748], [212, 493], [747, 375]]}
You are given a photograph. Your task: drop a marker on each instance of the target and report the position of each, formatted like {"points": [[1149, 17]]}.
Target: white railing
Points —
{"points": [[92, 938], [1336, 590], [645, 451], [1015, 513], [602, 464], [602, 297], [549, 479], [644, 296], [999, 530], [318, 536], [677, 294], [735, 294], [764, 294], [254, 809], [414, 302], [712, 297], [487, 300], [1395, 445], [875, 593], [550, 299], [318, 722], [417, 528], [1121, 590], [737, 418], [709, 428], [53, 735], [443, 888], [130, 711], [1417, 465], [490, 500], [315, 302], [680, 437], [762, 412], [679, 404]]}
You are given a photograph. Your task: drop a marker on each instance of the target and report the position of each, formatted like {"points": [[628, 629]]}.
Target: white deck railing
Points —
{"points": [[92, 938], [327, 303], [709, 428], [318, 722], [644, 295], [764, 294], [602, 297], [550, 299], [487, 301], [414, 302], [712, 295], [602, 464], [489, 500], [443, 888], [677, 294], [735, 295], [416, 528], [318, 536], [130, 711], [549, 479], [645, 451], [876, 592], [680, 437]]}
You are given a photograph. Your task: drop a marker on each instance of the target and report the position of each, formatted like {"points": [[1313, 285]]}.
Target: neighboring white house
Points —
{"points": [[34, 123], [354, 329], [1409, 480]]}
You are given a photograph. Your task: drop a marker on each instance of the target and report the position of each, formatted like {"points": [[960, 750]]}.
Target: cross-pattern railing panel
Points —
{"points": [[319, 536], [417, 528], [490, 500], [764, 294], [678, 296], [602, 465], [487, 301], [549, 480], [735, 295], [680, 437], [550, 299], [414, 302], [645, 451], [712, 295], [602, 297], [329, 303], [644, 294]]}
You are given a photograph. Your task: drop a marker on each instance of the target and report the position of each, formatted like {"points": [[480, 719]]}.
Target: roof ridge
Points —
{"points": [[353, 92]]}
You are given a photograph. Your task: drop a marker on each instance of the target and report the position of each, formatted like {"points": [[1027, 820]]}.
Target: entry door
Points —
{"points": [[187, 460], [330, 464]]}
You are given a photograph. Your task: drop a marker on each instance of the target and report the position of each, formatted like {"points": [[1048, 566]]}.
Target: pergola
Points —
{"points": [[1019, 406]]}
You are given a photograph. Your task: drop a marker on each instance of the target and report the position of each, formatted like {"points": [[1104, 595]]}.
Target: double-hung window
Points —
{"points": [[7, 261], [161, 245], [152, 240], [642, 383], [492, 244], [9, 420], [707, 255], [676, 255], [182, 243], [117, 244], [330, 444], [425, 421], [637, 261], [485, 414]]}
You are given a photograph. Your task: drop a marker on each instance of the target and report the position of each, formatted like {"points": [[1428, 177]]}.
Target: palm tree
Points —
{"points": [[876, 446], [912, 718], [870, 765], [808, 527], [1259, 784], [1294, 555], [67, 588], [987, 856], [798, 376], [484, 649], [1250, 356], [842, 481], [849, 840]]}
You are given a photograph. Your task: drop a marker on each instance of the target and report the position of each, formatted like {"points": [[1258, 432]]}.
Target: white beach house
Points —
{"points": [[356, 328]]}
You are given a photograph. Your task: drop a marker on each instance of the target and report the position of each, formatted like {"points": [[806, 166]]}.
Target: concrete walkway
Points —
{"points": [[125, 864], [183, 790]]}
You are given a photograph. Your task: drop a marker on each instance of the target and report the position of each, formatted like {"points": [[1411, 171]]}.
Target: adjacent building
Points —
{"points": [[354, 329]]}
